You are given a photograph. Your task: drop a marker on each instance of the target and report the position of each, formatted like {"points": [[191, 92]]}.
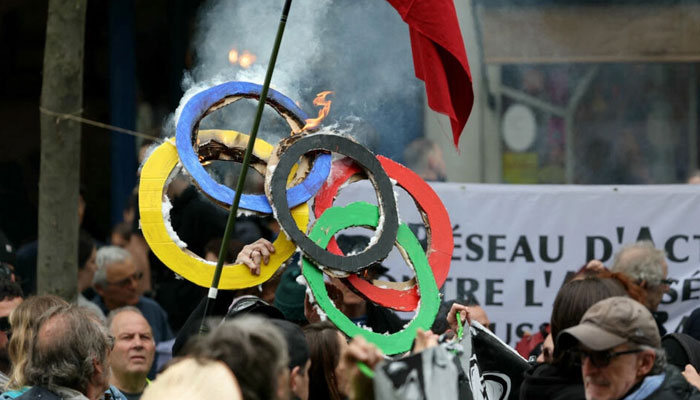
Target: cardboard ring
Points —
{"points": [[401, 296], [278, 170], [219, 96], [238, 142], [359, 213], [233, 144], [154, 176]]}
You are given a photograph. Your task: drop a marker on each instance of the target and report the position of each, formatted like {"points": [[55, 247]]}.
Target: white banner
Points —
{"points": [[514, 244]]}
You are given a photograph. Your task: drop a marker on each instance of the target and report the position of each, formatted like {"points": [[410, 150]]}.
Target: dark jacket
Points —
{"points": [[196, 221], [681, 350], [382, 320], [674, 387], [691, 326], [548, 381]]}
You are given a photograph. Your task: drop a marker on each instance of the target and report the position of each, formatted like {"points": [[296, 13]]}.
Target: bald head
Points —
{"points": [[53, 330], [478, 314], [134, 349]]}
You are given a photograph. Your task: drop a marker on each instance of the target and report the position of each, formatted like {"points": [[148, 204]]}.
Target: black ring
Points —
{"points": [[380, 180]]}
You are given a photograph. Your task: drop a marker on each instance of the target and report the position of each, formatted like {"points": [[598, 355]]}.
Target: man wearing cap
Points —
{"points": [[619, 347]]}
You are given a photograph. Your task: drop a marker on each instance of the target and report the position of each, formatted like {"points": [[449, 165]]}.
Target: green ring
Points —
{"points": [[335, 219]]}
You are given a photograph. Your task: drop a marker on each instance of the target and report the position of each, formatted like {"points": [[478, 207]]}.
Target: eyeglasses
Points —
{"points": [[600, 359], [669, 281], [127, 281]]}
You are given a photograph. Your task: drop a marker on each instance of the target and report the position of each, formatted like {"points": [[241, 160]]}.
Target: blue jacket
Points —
{"points": [[113, 393]]}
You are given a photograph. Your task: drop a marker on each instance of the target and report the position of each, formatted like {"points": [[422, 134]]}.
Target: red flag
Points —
{"points": [[439, 58]]}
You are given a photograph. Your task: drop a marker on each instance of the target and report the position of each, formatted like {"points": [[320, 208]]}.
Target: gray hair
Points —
{"points": [[253, 348], [113, 314], [107, 256], [66, 357], [640, 261], [660, 359]]}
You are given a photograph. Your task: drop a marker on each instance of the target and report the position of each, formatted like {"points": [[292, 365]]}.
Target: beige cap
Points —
{"points": [[612, 322]]}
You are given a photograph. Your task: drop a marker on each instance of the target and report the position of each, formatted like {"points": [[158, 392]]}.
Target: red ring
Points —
{"points": [[438, 227]]}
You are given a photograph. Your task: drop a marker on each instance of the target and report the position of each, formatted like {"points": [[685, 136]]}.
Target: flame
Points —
{"points": [[233, 56], [247, 59], [320, 100]]}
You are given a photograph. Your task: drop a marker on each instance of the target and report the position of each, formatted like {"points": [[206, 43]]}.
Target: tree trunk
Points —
{"points": [[59, 180]]}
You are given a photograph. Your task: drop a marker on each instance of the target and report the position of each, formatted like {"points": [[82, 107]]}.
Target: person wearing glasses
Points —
{"points": [[116, 282], [560, 377], [618, 346], [646, 265]]}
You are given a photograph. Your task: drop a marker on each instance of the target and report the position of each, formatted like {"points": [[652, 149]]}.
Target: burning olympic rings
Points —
{"points": [[279, 165], [219, 96], [363, 214]]}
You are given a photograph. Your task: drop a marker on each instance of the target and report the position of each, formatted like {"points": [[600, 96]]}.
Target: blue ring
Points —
{"points": [[197, 107]]}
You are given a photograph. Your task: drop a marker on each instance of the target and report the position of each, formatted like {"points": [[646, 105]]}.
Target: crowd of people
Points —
{"points": [[139, 331]]}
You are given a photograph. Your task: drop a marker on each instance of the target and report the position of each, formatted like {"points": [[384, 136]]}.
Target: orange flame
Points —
{"points": [[247, 59], [233, 56], [320, 100]]}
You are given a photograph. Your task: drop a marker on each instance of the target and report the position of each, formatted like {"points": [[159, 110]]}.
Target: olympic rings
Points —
{"points": [[335, 219], [219, 96], [402, 296], [154, 175], [295, 171], [275, 189]]}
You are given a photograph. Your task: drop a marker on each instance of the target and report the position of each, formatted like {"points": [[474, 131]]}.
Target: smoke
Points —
{"points": [[359, 49]]}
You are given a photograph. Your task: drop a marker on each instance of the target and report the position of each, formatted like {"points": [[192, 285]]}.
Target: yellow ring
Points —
{"points": [[154, 174], [262, 149]]}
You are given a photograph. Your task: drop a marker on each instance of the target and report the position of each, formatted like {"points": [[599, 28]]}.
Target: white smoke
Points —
{"points": [[359, 49]]}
